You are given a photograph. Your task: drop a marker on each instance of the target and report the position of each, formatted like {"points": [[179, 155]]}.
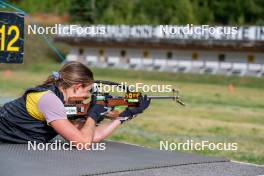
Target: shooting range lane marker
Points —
{"points": [[44, 36], [250, 164]]}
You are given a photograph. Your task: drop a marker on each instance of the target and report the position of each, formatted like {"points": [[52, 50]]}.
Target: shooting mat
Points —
{"points": [[117, 159]]}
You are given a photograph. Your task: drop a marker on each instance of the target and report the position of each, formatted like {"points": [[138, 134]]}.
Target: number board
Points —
{"points": [[11, 37]]}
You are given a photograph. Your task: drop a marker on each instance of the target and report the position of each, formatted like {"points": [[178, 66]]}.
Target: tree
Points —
{"points": [[221, 12], [83, 11]]}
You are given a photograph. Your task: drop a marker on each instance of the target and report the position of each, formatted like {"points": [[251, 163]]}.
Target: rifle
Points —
{"points": [[78, 106]]}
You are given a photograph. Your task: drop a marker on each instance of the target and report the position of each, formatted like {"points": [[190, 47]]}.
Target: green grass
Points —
{"points": [[212, 113]]}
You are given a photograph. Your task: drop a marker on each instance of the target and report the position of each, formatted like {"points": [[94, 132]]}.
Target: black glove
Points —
{"points": [[96, 110], [130, 113]]}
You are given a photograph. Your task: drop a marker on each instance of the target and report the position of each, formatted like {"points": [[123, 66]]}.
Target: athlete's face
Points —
{"points": [[77, 90]]}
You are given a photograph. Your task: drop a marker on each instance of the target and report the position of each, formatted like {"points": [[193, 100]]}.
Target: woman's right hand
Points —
{"points": [[95, 112]]}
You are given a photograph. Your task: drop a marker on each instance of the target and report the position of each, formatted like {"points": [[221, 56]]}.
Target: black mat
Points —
{"points": [[16, 159]]}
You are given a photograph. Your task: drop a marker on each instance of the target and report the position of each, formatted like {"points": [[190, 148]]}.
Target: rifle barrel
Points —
{"points": [[161, 97], [168, 97]]}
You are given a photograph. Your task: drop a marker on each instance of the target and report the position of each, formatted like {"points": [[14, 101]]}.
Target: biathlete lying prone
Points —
{"points": [[39, 114]]}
